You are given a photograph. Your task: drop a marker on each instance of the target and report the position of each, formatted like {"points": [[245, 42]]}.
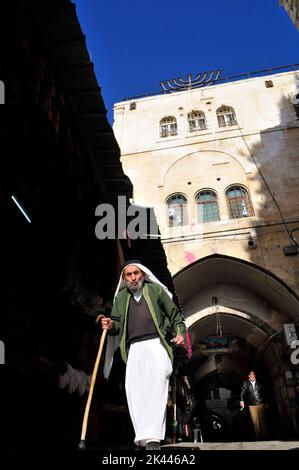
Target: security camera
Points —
{"points": [[252, 244], [294, 98]]}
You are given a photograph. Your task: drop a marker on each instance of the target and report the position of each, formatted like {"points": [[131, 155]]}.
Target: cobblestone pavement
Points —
{"points": [[259, 445]]}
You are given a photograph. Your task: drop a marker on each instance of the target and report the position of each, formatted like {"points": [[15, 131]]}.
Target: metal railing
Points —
{"points": [[233, 78]]}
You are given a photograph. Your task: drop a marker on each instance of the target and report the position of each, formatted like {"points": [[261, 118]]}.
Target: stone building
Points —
{"points": [[220, 166]]}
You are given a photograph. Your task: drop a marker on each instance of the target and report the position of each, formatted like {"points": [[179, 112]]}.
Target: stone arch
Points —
{"points": [[253, 305], [207, 151]]}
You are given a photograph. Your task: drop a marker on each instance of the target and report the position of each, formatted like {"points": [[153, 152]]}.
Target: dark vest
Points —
{"points": [[140, 322]]}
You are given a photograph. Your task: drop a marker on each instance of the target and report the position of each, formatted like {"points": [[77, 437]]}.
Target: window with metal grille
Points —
{"points": [[238, 202], [197, 121], [168, 126], [226, 116], [207, 206], [177, 210]]}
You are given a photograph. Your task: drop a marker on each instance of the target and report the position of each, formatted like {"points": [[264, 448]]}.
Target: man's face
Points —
{"points": [[133, 277], [251, 376]]}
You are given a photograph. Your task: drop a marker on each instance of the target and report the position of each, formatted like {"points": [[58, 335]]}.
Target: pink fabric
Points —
{"points": [[189, 347]]}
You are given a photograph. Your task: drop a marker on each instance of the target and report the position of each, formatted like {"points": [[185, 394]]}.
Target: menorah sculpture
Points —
{"points": [[179, 84]]}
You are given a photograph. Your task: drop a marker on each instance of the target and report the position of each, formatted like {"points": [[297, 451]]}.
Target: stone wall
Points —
{"points": [[259, 153]]}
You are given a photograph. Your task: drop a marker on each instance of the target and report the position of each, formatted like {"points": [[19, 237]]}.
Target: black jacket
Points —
{"points": [[252, 396]]}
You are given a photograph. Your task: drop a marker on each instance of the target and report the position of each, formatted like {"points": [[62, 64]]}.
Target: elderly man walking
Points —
{"points": [[142, 313]]}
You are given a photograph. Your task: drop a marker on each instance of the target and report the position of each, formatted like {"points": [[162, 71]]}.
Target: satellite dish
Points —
{"points": [[171, 213]]}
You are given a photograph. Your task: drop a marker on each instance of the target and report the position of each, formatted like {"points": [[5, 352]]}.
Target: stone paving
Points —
{"points": [[256, 445]]}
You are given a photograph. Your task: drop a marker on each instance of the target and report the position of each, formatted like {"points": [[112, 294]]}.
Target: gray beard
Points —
{"points": [[135, 286]]}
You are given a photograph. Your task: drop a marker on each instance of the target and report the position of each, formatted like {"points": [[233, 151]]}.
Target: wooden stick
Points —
{"points": [[92, 382]]}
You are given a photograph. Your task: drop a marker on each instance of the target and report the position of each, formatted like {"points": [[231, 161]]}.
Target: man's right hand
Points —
{"points": [[106, 323], [242, 404]]}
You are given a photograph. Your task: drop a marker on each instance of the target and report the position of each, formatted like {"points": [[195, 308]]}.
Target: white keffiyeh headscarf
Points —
{"points": [[113, 341]]}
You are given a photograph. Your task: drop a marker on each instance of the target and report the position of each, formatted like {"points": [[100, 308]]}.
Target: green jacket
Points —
{"points": [[164, 312]]}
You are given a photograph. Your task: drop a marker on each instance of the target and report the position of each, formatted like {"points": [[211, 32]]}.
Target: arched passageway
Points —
{"points": [[236, 314]]}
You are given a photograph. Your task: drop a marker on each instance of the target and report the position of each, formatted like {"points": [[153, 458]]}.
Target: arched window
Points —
{"points": [[238, 202], [197, 121], [177, 210], [168, 126], [207, 206], [226, 116]]}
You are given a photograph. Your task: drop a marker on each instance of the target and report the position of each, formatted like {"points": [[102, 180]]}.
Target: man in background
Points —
{"points": [[252, 395]]}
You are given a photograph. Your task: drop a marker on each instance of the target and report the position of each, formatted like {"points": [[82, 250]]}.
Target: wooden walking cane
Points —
{"points": [[92, 382], [175, 422]]}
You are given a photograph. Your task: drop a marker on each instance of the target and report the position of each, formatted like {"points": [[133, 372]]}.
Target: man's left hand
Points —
{"points": [[179, 340]]}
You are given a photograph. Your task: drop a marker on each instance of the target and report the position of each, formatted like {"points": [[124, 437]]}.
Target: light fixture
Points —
{"points": [[20, 207], [290, 250], [251, 244]]}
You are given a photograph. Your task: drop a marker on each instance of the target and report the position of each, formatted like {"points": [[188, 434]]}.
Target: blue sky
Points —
{"points": [[135, 44]]}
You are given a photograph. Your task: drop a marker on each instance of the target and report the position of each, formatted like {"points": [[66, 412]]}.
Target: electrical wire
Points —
{"points": [[268, 187]]}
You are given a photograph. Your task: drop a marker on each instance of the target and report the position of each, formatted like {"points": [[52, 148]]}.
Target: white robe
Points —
{"points": [[147, 377]]}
